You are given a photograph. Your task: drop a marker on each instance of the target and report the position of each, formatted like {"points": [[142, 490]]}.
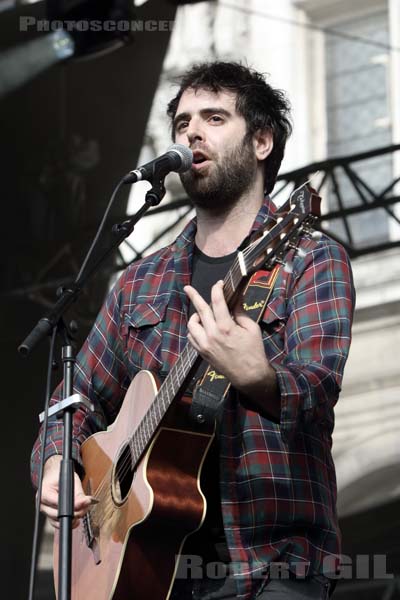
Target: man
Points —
{"points": [[276, 487]]}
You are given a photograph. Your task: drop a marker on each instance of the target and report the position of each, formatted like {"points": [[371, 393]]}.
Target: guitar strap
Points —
{"points": [[211, 390]]}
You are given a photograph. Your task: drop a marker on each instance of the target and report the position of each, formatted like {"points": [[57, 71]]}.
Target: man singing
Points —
{"points": [[271, 490]]}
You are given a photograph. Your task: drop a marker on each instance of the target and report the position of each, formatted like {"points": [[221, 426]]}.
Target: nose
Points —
{"points": [[195, 132]]}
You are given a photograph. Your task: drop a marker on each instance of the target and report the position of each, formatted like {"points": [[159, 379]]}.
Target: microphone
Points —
{"points": [[178, 158]]}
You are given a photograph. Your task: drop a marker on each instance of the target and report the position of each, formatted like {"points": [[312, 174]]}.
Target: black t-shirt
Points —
{"points": [[207, 270], [210, 540]]}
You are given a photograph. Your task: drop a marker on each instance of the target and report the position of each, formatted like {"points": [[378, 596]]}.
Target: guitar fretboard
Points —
{"points": [[177, 376]]}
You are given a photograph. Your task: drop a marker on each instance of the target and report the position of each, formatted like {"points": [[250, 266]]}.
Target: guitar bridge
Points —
{"points": [[90, 538], [88, 530], [91, 531]]}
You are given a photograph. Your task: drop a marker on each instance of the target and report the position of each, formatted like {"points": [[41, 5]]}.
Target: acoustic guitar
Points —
{"points": [[144, 471]]}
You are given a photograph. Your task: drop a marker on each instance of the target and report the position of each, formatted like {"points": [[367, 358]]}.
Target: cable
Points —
{"points": [[99, 231], [327, 30]]}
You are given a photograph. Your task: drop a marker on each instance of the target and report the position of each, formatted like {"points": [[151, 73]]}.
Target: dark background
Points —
{"points": [[65, 140]]}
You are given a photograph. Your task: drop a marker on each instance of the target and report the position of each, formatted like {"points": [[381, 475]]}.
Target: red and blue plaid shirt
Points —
{"points": [[277, 481]]}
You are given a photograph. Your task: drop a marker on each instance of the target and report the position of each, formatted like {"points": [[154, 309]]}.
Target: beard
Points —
{"points": [[225, 181]]}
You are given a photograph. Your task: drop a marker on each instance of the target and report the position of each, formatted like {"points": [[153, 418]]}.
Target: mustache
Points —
{"points": [[199, 147]]}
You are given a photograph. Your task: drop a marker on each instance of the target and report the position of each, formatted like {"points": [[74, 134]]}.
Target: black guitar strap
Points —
{"points": [[211, 390]]}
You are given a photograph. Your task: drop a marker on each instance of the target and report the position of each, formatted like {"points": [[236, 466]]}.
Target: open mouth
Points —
{"points": [[199, 159]]}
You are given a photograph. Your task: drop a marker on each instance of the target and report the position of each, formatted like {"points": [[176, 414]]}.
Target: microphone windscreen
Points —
{"points": [[185, 154]]}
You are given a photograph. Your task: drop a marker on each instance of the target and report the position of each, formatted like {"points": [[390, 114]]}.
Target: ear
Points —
{"points": [[263, 143]]}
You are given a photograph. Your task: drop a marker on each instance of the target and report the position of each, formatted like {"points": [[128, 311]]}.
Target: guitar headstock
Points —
{"points": [[295, 219], [304, 200]]}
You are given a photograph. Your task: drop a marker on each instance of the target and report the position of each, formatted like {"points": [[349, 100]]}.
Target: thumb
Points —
{"points": [[244, 321], [81, 499]]}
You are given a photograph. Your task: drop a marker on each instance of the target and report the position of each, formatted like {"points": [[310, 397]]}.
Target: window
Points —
{"points": [[358, 115]]}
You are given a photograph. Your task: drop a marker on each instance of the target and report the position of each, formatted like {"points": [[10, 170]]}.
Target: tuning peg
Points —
{"points": [[316, 235], [288, 267], [278, 261], [301, 252], [292, 244]]}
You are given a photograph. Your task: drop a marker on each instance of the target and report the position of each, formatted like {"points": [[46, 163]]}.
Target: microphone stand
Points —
{"points": [[66, 408]]}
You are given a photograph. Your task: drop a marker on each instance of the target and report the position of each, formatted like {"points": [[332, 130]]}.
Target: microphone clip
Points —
{"points": [[156, 193]]}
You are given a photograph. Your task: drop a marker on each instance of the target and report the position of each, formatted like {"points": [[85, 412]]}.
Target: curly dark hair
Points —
{"points": [[262, 106]]}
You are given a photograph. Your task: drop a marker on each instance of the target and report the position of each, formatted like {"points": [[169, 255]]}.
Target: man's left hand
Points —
{"points": [[233, 345]]}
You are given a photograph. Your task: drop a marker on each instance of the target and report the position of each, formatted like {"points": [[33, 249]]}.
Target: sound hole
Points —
{"points": [[123, 475]]}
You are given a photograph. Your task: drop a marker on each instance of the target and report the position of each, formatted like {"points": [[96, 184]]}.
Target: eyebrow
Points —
{"points": [[204, 112]]}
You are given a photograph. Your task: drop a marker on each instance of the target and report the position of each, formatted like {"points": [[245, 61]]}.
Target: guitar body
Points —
{"points": [[129, 544]]}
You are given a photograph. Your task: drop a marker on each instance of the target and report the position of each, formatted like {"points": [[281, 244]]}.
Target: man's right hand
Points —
{"points": [[50, 489]]}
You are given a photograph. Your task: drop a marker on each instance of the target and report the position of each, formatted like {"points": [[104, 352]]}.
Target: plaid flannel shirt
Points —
{"points": [[277, 481]]}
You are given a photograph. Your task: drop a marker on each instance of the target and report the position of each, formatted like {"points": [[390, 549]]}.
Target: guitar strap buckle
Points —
{"points": [[206, 407]]}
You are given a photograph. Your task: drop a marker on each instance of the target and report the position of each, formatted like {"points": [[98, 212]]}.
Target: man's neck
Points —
{"points": [[219, 235]]}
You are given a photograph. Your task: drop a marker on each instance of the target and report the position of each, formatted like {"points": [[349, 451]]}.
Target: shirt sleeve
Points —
{"points": [[317, 336], [100, 375]]}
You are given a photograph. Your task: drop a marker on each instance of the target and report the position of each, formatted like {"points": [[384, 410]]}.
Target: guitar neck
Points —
{"points": [[274, 241], [179, 376]]}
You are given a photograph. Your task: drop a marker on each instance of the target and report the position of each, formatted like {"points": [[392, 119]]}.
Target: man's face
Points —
{"points": [[224, 158]]}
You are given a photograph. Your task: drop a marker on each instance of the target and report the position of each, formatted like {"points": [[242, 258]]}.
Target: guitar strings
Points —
{"points": [[138, 441], [103, 493]]}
